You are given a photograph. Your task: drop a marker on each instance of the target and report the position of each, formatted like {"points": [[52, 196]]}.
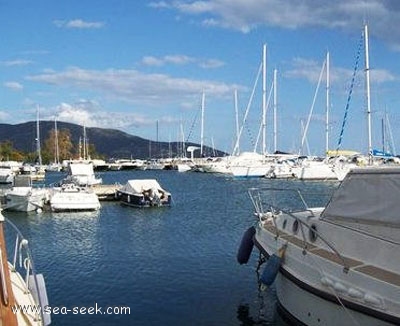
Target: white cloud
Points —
{"points": [[247, 15], [304, 69], [91, 114], [152, 61], [310, 70], [179, 59], [17, 62], [74, 114], [211, 63], [78, 23], [15, 86], [133, 86], [380, 76], [4, 115], [159, 4], [168, 59]]}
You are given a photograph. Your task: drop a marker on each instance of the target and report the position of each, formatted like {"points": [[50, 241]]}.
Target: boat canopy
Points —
{"points": [[81, 169], [22, 180], [140, 185], [367, 196], [379, 153], [341, 152]]}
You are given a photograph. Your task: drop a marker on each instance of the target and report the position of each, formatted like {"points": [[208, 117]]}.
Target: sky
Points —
{"points": [[142, 67]]}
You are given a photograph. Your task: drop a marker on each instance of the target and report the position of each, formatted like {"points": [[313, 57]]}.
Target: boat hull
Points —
{"points": [[307, 306], [25, 200], [24, 204], [316, 172], [6, 176], [305, 301], [144, 193], [73, 206], [62, 201], [249, 171], [140, 201]]}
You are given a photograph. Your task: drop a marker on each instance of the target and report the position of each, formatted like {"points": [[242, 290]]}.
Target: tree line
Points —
{"points": [[66, 149]]}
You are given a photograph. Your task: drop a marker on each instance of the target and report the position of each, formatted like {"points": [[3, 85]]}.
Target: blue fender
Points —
{"points": [[246, 246], [271, 270]]}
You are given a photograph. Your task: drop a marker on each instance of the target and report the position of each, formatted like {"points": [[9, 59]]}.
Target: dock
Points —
{"points": [[106, 192]]}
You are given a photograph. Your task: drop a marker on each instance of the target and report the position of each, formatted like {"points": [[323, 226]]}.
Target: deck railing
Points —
{"points": [[271, 202], [23, 264]]}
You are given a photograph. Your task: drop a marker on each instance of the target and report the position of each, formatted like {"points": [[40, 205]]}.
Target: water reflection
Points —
{"points": [[92, 215], [262, 312], [243, 315]]}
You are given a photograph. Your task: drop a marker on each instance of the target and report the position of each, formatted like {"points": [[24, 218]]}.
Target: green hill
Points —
{"points": [[109, 143]]}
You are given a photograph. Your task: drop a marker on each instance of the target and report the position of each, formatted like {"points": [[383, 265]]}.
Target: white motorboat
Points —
{"points": [[7, 175], [53, 167], [154, 164], [144, 193], [70, 197], [99, 165], [215, 165], [314, 169], [23, 197], [114, 166], [82, 174], [35, 172], [20, 286], [341, 263], [131, 164], [184, 165], [249, 165]]}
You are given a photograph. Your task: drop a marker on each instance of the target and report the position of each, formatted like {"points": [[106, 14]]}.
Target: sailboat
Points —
{"points": [[55, 166], [37, 172], [318, 168], [253, 164]]}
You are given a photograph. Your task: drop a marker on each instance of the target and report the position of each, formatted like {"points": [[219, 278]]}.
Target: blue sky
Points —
{"points": [[127, 64]]}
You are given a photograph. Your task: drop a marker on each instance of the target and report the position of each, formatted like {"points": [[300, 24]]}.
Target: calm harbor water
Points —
{"points": [[170, 266]]}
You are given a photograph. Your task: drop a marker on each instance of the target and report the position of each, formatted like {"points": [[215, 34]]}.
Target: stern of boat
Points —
{"points": [[29, 294]]}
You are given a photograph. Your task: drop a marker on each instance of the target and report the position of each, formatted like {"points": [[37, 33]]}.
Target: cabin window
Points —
{"points": [[313, 233], [284, 224], [295, 227]]}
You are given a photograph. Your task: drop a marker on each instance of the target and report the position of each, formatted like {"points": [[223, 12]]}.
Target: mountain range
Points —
{"points": [[109, 143]]}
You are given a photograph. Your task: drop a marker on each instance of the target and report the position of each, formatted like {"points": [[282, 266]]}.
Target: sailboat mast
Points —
{"points": [[183, 141], [57, 150], [203, 98], [383, 135], [264, 99], [368, 90], [38, 137], [236, 116], [158, 144], [275, 108], [327, 105], [84, 142]]}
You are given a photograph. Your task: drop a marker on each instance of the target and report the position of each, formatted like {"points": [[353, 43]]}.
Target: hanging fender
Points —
{"points": [[272, 267], [246, 246]]}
